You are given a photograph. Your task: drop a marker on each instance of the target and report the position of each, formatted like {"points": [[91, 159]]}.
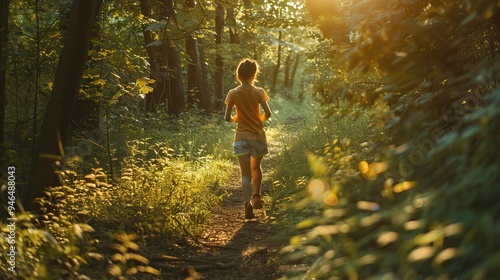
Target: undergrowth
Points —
{"points": [[294, 159], [99, 226], [424, 203]]}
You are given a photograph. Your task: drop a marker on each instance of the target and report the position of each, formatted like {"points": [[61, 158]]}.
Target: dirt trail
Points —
{"points": [[238, 249], [231, 248]]}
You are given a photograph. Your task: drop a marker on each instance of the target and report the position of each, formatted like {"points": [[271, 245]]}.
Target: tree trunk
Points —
{"points": [[233, 31], [161, 88], [59, 113], [4, 24], [287, 77], [293, 75], [198, 92], [219, 63], [207, 106], [155, 71], [176, 100], [290, 71], [288, 65], [87, 110], [278, 63], [165, 66], [294, 70]]}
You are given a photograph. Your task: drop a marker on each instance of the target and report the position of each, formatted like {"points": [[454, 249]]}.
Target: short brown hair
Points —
{"points": [[247, 68]]}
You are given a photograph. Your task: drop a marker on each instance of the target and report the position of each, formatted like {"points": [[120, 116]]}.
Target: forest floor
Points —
{"points": [[231, 247]]}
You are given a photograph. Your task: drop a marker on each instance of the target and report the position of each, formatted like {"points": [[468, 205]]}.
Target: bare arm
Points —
{"points": [[267, 111], [229, 110]]}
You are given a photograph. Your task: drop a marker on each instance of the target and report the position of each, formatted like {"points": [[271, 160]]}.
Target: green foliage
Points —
{"points": [[193, 135], [423, 207], [39, 255], [410, 193], [158, 194], [307, 128], [124, 261], [436, 227], [196, 135], [297, 140], [160, 197], [163, 193], [180, 192]]}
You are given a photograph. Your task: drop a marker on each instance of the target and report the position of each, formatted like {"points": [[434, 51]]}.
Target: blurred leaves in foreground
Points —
{"points": [[424, 202]]}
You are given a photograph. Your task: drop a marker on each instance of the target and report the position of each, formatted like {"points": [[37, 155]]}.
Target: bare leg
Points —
{"points": [[246, 176], [246, 180], [255, 165]]}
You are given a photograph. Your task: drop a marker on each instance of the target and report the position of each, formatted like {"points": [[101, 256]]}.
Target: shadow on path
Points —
{"points": [[231, 248]]}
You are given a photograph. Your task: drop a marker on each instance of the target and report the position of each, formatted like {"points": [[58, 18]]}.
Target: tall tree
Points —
{"points": [[176, 100], [291, 79], [87, 110], [156, 97], [4, 23], [164, 62], [59, 113], [197, 83], [277, 67], [231, 23], [291, 65], [219, 62]]}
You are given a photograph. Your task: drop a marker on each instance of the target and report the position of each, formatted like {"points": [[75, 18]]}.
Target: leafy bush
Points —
{"points": [[158, 199], [92, 225], [316, 135], [39, 255], [192, 134], [340, 139], [377, 224], [425, 206], [163, 194]]}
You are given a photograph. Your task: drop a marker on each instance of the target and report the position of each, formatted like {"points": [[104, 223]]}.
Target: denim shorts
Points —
{"points": [[254, 147]]}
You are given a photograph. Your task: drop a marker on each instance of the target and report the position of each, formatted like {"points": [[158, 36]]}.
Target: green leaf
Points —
{"points": [[97, 82], [115, 97], [156, 26], [141, 82], [155, 44], [471, 131]]}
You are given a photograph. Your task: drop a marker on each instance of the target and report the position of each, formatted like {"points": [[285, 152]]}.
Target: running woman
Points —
{"points": [[250, 143]]}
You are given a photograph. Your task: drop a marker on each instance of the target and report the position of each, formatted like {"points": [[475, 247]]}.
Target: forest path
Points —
{"points": [[233, 248]]}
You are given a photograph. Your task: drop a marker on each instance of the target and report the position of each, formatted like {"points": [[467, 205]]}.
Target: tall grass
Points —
{"points": [[303, 146], [315, 133], [167, 177]]}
